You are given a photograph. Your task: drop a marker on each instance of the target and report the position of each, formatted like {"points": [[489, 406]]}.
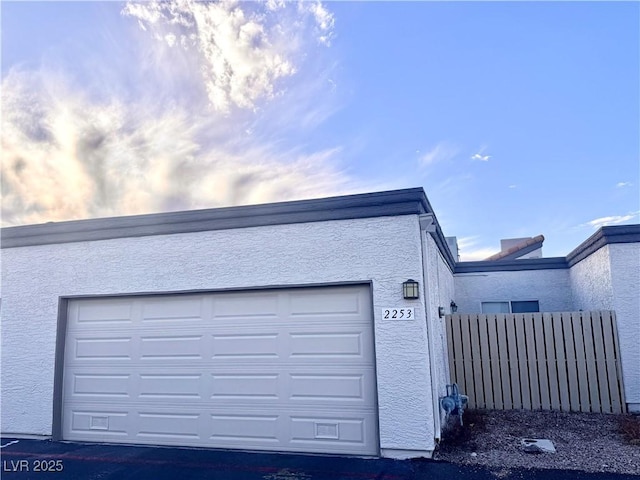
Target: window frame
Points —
{"points": [[509, 304]]}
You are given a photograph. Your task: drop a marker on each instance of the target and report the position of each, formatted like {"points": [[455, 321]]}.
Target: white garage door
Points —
{"points": [[288, 370]]}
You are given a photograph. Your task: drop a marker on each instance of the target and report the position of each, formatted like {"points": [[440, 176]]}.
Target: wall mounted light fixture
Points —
{"points": [[410, 289], [454, 307], [441, 312]]}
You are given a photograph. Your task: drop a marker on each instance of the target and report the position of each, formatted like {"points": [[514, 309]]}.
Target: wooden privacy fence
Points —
{"points": [[552, 361]]}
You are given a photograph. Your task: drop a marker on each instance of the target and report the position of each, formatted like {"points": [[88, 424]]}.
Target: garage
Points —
{"points": [[257, 327], [276, 369]]}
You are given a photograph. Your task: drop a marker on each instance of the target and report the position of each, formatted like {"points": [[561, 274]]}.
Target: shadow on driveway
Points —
{"points": [[41, 459]]}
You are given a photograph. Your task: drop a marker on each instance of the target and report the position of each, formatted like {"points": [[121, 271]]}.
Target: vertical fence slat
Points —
{"points": [[572, 371], [514, 369], [451, 345], [563, 378], [455, 339], [503, 352], [478, 384], [470, 373], [616, 349], [542, 361], [601, 362], [551, 360], [614, 373], [485, 359], [532, 363], [581, 364], [496, 379], [522, 361], [593, 382]]}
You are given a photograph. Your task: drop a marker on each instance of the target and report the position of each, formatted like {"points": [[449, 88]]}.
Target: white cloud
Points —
{"points": [[324, 21], [442, 152], [96, 149], [480, 155], [513, 186], [244, 49], [470, 251], [482, 158], [623, 184], [611, 220]]}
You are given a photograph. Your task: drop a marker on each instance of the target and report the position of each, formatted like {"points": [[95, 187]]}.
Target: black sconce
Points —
{"points": [[454, 307], [410, 289]]}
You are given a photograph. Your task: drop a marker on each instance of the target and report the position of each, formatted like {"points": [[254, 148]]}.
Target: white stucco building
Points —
{"points": [[267, 327], [250, 327], [603, 273]]}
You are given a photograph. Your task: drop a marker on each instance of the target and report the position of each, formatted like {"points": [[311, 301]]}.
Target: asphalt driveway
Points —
{"points": [[38, 459]]}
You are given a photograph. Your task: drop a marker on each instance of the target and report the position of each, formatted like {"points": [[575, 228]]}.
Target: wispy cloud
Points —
{"points": [[482, 158], [69, 153], [470, 250], [624, 184], [480, 155], [611, 220], [243, 50], [442, 152]]}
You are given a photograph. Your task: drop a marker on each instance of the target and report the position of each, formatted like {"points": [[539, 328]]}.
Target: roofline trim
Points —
{"points": [[604, 236], [412, 201], [550, 263]]}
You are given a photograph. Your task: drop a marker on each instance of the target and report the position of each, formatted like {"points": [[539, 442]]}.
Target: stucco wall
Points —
{"points": [[441, 292], [384, 250], [591, 282], [609, 279], [550, 287], [625, 279]]}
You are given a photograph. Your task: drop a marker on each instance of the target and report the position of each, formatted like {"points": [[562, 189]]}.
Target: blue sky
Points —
{"points": [[517, 118]]}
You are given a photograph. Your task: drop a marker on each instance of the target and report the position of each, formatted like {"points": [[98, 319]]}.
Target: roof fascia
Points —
{"points": [[411, 201], [604, 236]]}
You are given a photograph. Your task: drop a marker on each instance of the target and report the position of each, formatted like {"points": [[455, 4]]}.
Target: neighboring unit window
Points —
{"points": [[495, 307], [511, 307], [525, 307]]}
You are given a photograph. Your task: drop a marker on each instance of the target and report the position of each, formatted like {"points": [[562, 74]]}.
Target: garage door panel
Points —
{"points": [[172, 425], [181, 311], [246, 427], [301, 430], [306, 384], [245, 386], [255, 307], [288, 370], [333, 344], [87, 423], [101, 385], [162, 386], [102, 348], [171, 347], [248, 346], [96, 312], [326, 429], [327, 387], [309, 303]]}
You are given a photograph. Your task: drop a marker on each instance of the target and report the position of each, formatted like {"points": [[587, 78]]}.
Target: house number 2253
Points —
{"points": [[398, 313]]}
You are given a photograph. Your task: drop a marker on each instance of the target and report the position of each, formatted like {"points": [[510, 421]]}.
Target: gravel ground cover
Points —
{"points": [[590, 442]]}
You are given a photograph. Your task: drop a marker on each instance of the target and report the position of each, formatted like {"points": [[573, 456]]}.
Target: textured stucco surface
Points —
{"points": [[440, 293], [591, 282], [385, 251], [625, 279], [609, 279], [550, 287]]}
